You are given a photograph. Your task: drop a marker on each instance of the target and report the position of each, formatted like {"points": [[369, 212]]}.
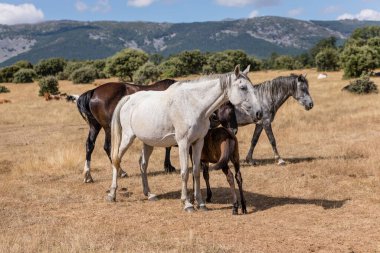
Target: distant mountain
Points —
{"points": [[258, 36]]}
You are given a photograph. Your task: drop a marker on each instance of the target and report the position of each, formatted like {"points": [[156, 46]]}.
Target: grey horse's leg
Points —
{"points": [[255, 138], [272, 140], [144, 159], [167, 164], [90, 144], [206, 177], [107, 149], [183, 148], [197, 151]]}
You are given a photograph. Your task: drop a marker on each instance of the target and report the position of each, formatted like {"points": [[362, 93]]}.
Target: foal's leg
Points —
{"points": [[90, 144], [144, 159], [239, 181], [272, 140], [167, 164], [107, 149], [197, 151], [255, 138], [183, 148], [206, 177], [126, 142], [231, 181]]}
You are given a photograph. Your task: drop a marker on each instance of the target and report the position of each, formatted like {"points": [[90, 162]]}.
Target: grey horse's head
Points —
{"points": [[302, 94]]}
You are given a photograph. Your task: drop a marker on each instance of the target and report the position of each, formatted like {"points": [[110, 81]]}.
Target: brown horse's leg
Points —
{"points": [[231, 181], [90, 144], [239, 181], [167, 164], [206, 177], [107, 149]]}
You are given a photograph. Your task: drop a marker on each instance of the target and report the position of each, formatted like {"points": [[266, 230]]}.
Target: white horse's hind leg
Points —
{"points": [[183, 148], [144, 159], [126, 142], [197, 151]]}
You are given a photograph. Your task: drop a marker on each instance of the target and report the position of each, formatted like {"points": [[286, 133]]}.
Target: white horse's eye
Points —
{"points": [[243, 87]]}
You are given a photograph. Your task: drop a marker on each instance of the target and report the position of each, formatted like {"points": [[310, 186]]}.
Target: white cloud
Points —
{"points": [[81, 6], [331, 9], [101, 6], [366, 14], [139, 3], [11, 14], [240, 3], [295, 12], [253, 14]]}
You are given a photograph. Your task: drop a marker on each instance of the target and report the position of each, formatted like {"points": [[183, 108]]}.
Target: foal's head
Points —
{"points": [[226, 116], [302, 92], [242, 94]]}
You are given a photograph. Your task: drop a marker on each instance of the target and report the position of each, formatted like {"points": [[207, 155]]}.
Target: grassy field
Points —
{"points": [[326, 199]]}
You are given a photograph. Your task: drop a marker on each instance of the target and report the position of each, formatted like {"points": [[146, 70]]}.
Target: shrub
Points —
{"points": [[24, 76], [48, 84], [173, 67], [23, 64], [357, 60], [363, 85], [147, 73], [327, 60], [50, 67], [285, 62], [124, 63], [69, 70], [84, 75], [222, 62], [6, 74], [4, 89]]}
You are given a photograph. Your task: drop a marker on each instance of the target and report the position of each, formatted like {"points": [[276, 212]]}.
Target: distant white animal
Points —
{"points": [[322, 76]]}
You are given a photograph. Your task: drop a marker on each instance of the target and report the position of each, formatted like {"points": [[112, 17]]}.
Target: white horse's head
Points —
{"points": [[242, 94]]}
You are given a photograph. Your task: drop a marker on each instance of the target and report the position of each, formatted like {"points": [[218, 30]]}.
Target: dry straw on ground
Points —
{"points": [[326, 199]]}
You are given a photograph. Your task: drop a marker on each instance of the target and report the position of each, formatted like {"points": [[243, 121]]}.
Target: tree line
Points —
{"points": [[359, 54]]}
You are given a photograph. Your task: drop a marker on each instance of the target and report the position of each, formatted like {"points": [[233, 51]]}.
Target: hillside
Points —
{"points": [[258, 36]]}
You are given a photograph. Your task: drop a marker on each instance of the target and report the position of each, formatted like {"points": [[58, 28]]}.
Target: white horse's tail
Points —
{"points": [[116, 129]]}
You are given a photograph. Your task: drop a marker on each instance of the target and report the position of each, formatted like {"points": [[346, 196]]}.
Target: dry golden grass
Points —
{"points": [[326, 199]]}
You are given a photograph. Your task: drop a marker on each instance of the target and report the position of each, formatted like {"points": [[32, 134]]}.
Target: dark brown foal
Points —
{"points": [[220, 147]]}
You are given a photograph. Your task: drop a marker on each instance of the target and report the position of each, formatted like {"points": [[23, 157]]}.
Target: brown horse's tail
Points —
{"points": [[116, 129], [83, 104], [226, 148]]}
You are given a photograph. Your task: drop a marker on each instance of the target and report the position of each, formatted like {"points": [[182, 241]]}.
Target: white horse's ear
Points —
{"points": [[246, 71], [237, 70]]}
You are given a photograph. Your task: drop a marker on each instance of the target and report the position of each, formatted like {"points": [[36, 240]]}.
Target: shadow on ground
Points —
{"points": [[260, 202]]}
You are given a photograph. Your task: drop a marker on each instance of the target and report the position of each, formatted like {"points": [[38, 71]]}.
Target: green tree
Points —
{"points": [[225, 61], [124, 63], [23, 64], [327, 60], [86, 74], [6, 74], [148, 72], [48, 84], [24, 76], [285, 62], [357, 60], [172, 67], [50, 67]]}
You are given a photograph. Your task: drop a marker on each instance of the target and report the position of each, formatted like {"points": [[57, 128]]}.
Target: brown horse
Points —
{"points": [[96, 106]]}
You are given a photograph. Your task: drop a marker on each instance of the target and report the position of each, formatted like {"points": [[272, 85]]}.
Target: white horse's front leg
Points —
{"points": [[183, 148], [144, 159], [197, 151]]}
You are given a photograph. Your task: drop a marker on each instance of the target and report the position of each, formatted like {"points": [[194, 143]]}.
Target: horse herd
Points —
{"points": [[187, 113]]}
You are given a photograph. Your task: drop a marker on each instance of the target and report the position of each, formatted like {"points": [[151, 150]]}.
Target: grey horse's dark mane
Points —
{"points": [[279, 85]]}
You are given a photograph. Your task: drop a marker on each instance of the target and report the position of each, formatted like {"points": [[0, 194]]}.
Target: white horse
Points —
{"points": [[178, 115]]}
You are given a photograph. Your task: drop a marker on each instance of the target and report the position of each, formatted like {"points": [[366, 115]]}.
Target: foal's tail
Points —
{"points": [[227, 148], [116, 129]]}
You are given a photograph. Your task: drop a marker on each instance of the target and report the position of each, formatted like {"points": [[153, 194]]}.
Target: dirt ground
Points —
{"points": [[326, 198]]}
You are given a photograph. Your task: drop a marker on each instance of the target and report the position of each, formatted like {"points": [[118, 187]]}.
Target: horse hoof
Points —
{"points": [[244, 210], [152, 197], [123, 174], [251, 162], [208, 200], [88, 179], [281, 162], [190, 209], [169, 169], [111, 198], [203, 208], [234, 212]]}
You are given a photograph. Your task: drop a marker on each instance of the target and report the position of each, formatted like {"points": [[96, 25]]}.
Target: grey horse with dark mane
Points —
{"points": [[272, 94]]}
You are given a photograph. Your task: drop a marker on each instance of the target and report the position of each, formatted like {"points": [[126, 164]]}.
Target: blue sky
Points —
{"points": [[18, 11]]}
